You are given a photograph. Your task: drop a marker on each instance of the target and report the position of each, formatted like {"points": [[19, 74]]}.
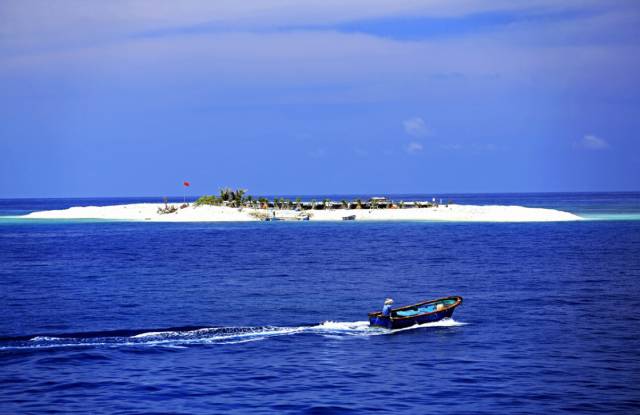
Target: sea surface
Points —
{"points": [[270, 317]]}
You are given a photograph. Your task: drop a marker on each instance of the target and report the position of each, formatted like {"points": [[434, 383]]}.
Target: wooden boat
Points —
{"points": [[286, 217], [350, 217], [420, 313]]}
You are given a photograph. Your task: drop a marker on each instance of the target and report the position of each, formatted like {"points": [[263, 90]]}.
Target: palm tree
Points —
{"points": [[313, 203], [327, 204], [225, 194], [358, 204], [298, 203], [239, 195], [344, 204]]}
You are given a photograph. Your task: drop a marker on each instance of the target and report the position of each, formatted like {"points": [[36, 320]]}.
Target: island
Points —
{"points": [[237, 206]]}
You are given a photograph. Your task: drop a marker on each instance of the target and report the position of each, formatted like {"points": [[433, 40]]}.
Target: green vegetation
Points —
{"points": [[227, 197], [239, 198], [167, 208], [207, 200]]}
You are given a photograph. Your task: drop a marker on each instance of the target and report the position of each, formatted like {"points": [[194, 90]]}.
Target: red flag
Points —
{"points": [[187, 184]]}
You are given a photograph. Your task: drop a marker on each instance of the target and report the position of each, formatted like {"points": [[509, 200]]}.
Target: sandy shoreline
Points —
{"points": [[451, 213]]}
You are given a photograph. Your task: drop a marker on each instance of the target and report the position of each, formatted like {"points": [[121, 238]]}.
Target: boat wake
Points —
{"points": [[188, 336]]}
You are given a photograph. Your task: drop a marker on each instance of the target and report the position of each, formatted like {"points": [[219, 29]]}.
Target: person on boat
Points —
{"points": [[386, 309]]}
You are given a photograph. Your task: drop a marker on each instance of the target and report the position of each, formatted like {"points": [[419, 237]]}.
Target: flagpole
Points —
{"points": [[185, 184]]}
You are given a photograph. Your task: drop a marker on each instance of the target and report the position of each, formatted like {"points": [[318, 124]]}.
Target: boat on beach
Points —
{"points": [[295, 217], [419, 313]]}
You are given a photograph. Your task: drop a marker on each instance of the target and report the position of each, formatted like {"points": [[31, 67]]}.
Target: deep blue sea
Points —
{"points": [[270, 317]]}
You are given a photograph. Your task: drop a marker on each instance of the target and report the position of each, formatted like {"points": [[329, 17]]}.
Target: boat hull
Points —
{"points": [[396, 322]]}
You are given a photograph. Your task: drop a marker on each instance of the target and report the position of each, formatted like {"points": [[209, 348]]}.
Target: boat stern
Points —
{"points": [[378, 320]]}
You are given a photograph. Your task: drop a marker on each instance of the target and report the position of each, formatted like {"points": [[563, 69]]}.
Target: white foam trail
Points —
{"points": [[447, 322], [342, 325], [227, 335], [56, 345], [152, 334]]}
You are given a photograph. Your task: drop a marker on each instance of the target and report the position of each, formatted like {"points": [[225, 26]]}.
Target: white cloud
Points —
{"points": [[416, 127], [592, 142], [414, 147], [475, 147], [86, 43], [373, 67], [27, 23]]}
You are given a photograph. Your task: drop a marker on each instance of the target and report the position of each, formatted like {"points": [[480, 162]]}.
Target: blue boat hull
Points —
{"points": [[395, 322]]}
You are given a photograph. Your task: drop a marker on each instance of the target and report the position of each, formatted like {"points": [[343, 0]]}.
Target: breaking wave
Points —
{"points": [[187, 336]]}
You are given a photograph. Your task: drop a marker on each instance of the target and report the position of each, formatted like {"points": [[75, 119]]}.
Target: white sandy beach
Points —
{"points": [[452, 213]]}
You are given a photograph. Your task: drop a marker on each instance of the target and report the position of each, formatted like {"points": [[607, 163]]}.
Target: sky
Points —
{"points": [[131, 98]]}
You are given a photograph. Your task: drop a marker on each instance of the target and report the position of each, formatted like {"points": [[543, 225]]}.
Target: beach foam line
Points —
{"points": [[202, 336]]}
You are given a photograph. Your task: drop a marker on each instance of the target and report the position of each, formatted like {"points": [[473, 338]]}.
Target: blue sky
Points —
{"points": [[130, 98]]}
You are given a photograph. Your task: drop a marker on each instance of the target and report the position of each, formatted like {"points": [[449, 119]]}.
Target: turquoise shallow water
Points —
{"points": [[611, 216], [126, 317]]}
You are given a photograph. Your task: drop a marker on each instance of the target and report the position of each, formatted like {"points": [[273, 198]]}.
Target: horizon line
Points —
{"points": [[433, 194]]}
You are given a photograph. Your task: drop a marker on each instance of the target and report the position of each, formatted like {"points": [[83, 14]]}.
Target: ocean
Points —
{"points": [[270, 317]]}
